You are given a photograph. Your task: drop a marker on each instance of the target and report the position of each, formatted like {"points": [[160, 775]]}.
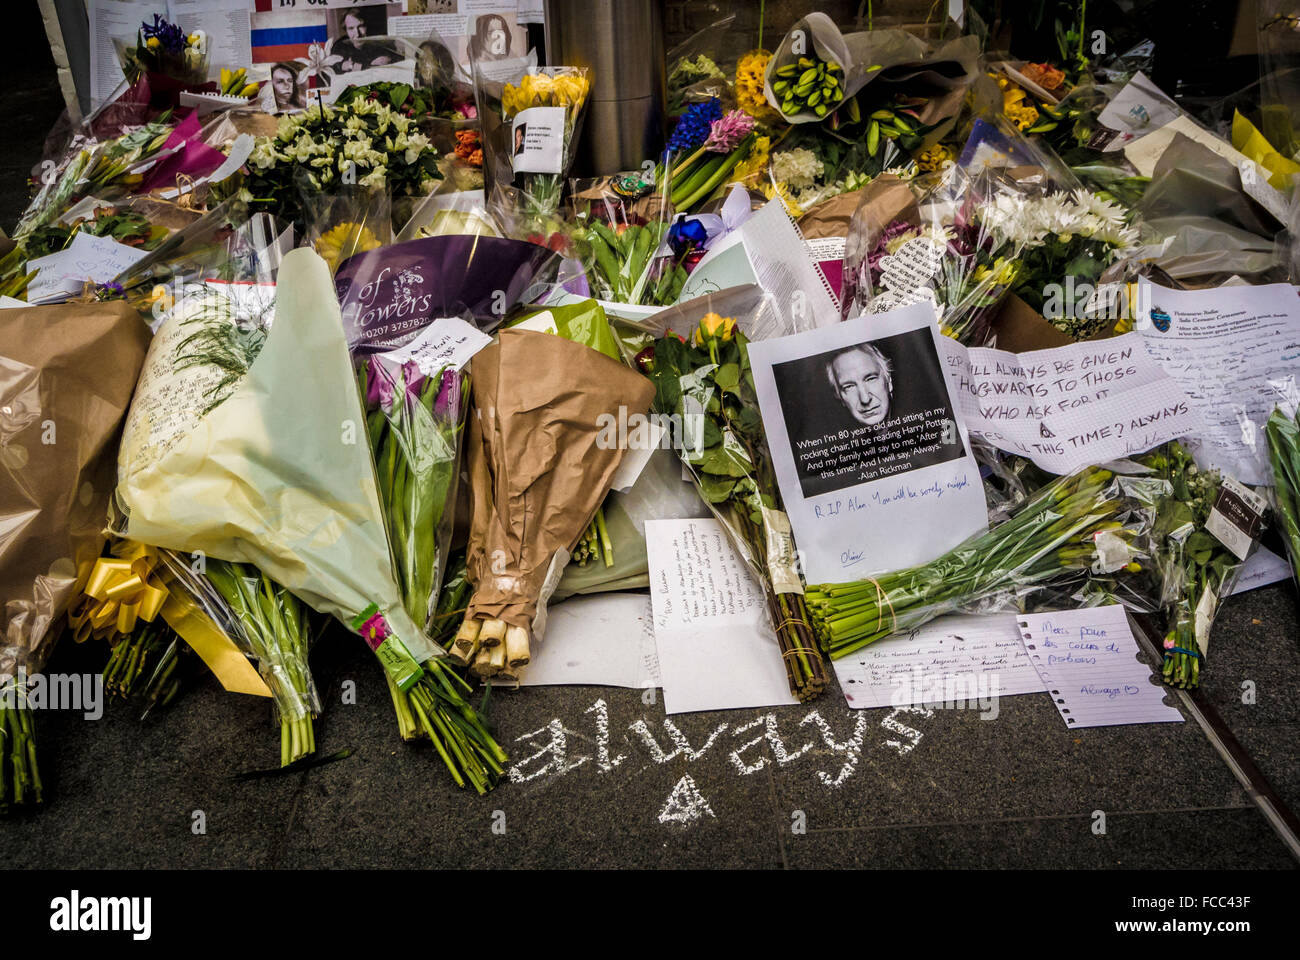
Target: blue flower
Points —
{"points": [[684, 235], [695, 124]]}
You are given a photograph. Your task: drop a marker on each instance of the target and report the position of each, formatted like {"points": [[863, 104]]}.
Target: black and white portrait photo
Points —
{"points": [[359, 35], [867, 411], [867, 443]]}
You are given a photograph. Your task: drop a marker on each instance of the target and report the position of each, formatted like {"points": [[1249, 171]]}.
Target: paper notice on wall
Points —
{"points": [[717, 649], [1070, 406], [768, 250], [226, 24], [1231, 349], [114, 20], [966, 662], [531, 11], [868, 445]]}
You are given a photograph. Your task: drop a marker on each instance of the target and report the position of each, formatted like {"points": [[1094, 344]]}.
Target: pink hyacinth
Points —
{"points": [[727, 133]]}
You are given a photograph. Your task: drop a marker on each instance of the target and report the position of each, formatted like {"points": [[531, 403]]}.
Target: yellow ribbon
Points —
{"points": [[132, 587], [122, 591]]}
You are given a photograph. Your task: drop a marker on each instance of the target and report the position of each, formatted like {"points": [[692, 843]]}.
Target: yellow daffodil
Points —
{"points": [[153, 43]]}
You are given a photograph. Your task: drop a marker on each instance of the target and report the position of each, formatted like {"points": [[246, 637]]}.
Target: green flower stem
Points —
{"points": [[1048, 539]]}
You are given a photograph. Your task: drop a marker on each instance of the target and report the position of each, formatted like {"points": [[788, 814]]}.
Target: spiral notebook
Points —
{"points": [[1089, 661]]}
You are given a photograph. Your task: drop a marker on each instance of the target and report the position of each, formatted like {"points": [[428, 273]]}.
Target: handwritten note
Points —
{"points": [[1229, 348], [1070, 406], [969, 660], [1261, 568], [605, 640], [717, 649], [446, 342], [1088, 659], [64, 273]]}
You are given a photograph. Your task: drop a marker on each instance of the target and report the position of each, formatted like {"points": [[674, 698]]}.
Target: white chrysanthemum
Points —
{"points": [[797, 169], [1099, 207]]}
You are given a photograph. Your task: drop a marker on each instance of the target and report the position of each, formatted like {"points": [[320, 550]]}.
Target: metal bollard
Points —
{"points": [[621, 42]]}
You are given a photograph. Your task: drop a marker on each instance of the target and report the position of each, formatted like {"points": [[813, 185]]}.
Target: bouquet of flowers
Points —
{"points": [[703, 151], [92, 167], [539, 467], [125, 225], [163, 47], [1283, 433], [257, 456], [531, 123], [944, 250], [1060, 235], [272, 626], [1196, 571], [414, 423], [73, 368], [707, 386], [1090, 520], [623, 220], [363, 143]]}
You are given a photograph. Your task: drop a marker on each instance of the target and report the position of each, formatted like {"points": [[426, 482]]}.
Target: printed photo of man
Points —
{"points": [[289, 96], [863, 381]]}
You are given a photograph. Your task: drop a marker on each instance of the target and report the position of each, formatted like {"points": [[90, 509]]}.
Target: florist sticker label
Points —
{"points": [[537, 140], [447, 342], [1070, 406]]}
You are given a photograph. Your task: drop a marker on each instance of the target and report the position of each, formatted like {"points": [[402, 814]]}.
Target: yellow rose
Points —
{"points": [[713, 326]]}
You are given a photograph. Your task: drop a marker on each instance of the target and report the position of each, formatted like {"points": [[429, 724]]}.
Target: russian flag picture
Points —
{"points": [[286, 35]]}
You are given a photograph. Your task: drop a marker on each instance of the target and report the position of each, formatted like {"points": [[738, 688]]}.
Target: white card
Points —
{"points": [[1226, 346], [1260, 569], [769, 250], [537, 140], [1088, 660], [717, 649], [446, 342], [604, 640], [954, 659], [64, 273], [1138, 109], [872, 459], [1070, 406]]}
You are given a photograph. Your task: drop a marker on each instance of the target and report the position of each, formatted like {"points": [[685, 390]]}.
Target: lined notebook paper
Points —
{"points": [[949, 660], [1088, 660]]}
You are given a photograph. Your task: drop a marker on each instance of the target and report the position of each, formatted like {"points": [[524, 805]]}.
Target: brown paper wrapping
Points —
{"points": [[882, 201], [537, 473], [66, 377]]}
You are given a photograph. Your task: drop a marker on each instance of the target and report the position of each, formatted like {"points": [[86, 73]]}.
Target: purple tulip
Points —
{"points": [[447, 405]]}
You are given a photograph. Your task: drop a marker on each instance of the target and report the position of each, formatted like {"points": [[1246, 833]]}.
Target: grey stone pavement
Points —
{"points": [[595, 769]]}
